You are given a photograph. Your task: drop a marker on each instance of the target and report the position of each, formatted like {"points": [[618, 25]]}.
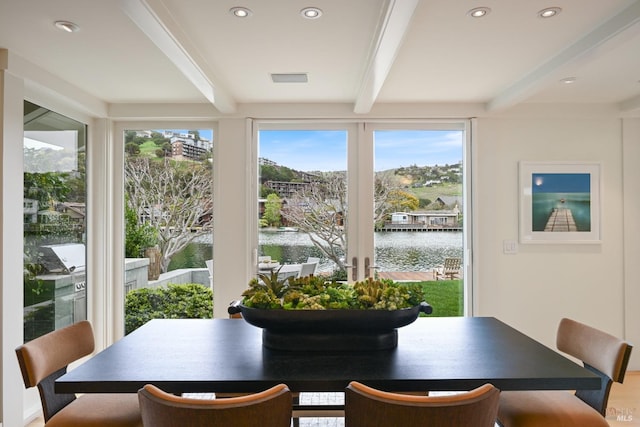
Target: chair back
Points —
{"points": [[452, 265], [45, 359], [308, 269], [288, 270], [603, 354], [269, 408], [369, 407]]}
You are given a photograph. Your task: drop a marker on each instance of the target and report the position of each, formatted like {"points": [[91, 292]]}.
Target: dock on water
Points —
{"points": [[561, 219], [407, 276]]}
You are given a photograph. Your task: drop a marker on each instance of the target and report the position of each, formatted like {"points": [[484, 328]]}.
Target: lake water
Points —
{"points": [[544, 203], [395, 251]]}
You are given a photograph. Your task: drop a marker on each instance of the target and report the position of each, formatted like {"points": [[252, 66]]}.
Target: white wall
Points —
{"points": [[631, 187], [11, 335], [533, 289]]}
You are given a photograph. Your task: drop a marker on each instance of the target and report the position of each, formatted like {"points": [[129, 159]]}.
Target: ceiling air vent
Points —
{"points": [[289, 78]]}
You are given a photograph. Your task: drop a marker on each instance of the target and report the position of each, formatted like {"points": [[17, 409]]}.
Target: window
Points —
{"points": [[54, 212], [381, 200], [168, 190]]}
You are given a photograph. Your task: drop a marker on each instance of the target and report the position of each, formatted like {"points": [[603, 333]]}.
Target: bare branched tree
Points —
{"points": [[176, 198], [320, 210]]}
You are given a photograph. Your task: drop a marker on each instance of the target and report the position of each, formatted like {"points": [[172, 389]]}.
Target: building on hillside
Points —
{"points": [[286, 189], [185, 146]]}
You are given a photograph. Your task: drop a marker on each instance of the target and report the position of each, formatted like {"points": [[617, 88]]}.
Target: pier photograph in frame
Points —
{"points": [[559, 202]]}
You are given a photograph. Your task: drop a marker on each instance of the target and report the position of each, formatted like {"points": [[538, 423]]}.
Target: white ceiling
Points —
{"points": [[360, 52]]}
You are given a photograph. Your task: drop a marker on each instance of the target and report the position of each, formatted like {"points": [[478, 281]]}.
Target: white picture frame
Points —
{"points": [[560, 202]]}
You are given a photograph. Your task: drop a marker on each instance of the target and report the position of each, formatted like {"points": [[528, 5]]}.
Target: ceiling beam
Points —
{"points": [[153, 18], [390, 35], [608, 33]]}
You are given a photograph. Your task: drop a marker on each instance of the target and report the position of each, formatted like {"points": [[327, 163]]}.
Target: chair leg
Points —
{"points": [[296, 402]]}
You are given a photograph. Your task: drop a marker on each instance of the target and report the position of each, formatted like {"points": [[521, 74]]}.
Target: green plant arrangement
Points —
{"points": [[317, 293]]}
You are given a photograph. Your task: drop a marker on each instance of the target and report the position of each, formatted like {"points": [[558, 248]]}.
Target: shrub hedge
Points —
{"points": [[185, 301]]}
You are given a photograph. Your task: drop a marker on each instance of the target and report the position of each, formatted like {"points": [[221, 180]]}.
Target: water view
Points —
{"points": [[401, 251], [578, 203]]}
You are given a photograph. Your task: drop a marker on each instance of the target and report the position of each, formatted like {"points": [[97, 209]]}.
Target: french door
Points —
{"points": [[386, 200]]}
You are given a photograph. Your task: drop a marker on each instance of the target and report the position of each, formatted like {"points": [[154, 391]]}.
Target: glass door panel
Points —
{"points": [[302, 200], [418, 210]]}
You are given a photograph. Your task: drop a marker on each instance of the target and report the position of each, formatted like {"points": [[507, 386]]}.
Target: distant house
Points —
{"points": [[400, 218], [286, 189], [429, 218], [74, 211], [30, 211]]}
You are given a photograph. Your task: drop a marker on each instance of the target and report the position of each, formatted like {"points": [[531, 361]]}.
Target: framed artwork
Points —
{"points": [[559, 202]]}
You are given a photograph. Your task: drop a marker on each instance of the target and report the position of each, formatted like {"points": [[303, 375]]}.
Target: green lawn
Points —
{"points": [[445, 296], [148, 149], [432, 193]]}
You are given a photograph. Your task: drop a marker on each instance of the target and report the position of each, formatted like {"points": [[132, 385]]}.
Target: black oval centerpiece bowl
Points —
{"points": [[329, 330]]}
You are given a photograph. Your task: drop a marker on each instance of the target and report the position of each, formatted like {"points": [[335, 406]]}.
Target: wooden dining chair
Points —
{"points": [[601, 353], [46, 358], [269, 408], [370, 407]]}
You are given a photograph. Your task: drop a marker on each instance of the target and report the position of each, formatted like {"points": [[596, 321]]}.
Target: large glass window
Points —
{"points": [[168, 224], [54, 221]]}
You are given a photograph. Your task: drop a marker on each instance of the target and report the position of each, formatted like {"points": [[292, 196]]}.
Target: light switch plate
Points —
{"points": [[510, 247]]}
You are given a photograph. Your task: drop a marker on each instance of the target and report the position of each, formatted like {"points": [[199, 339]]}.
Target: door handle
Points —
{"points": [[368, 267], [354, 268]]}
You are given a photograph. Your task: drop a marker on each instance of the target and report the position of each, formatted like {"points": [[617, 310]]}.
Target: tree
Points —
{"points": [[321, 209], [272, 209], [47, 188], [196, 134], [132, 148], [175, 198], [138, 236], [402, 201]]}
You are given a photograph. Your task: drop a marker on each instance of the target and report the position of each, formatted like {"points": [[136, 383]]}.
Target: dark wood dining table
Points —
{"points": [[227, 356]]}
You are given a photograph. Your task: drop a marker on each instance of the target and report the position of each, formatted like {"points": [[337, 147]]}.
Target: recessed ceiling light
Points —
{"points": [[568, 80], [479, 12], [549, 12], [240, 12], [311, 12], [67, 26]]}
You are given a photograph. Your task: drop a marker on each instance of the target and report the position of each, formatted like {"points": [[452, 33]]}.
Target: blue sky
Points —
{"points": [[325, 150], [561, 182]]}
